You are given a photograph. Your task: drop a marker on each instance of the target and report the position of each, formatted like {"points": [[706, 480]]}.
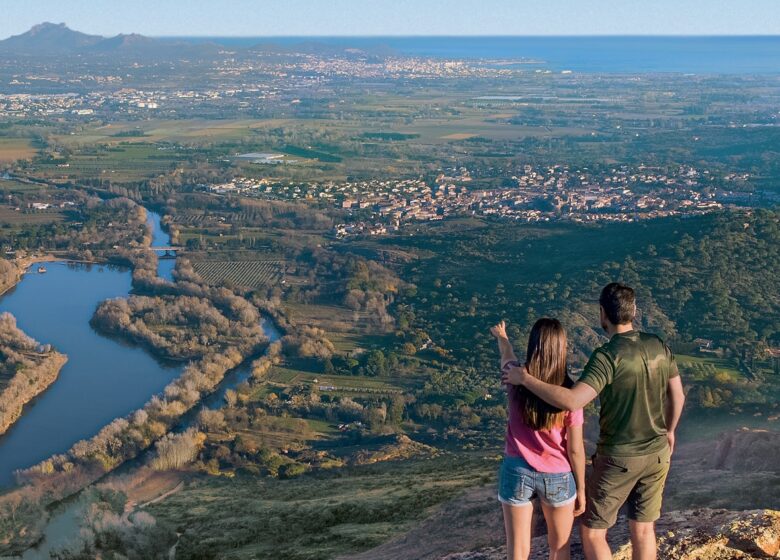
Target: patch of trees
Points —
{"points": [[374, 363], [249, 212], [181, 326], [714, 277], [392, 136], [9, 275], [721, 283], [261, 366], [93, 228], [309, 342], [125, 438], [367, 287], [174, 451], [108, 530]]}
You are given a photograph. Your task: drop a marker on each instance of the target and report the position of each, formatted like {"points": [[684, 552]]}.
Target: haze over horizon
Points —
{"points": [[274, 18]]}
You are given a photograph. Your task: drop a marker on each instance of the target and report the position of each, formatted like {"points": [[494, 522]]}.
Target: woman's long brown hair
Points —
{"points": [[545, 360]]}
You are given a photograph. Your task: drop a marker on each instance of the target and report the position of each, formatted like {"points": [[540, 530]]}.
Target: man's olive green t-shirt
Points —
{"points": [[630, 373]]}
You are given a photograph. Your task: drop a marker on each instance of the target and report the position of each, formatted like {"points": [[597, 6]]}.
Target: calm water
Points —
{"points": [[160, 238], [727, 55], [103, 378]]}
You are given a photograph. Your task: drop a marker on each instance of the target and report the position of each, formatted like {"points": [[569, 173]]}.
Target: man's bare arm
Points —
{"points": [[561, 397], [675, 400]]}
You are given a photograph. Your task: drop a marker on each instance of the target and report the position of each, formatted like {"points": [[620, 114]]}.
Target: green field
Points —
{"points": [[120, 163], [11, 186], [185, 131], [706, 365], [11, 216], [337, 385]]}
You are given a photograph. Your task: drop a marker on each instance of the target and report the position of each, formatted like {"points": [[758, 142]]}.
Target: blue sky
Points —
{"points": [[398, 17]]}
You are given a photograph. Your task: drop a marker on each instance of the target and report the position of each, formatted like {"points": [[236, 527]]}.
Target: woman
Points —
{"points": [[545, 454]]}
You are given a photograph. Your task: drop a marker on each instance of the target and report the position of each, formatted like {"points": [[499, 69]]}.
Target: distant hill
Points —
{"points": [[48, 38], [122, 41], [58, 38]]}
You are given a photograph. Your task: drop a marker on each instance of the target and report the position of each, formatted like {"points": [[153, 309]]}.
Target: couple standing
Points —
{"points": [[641, 398]]}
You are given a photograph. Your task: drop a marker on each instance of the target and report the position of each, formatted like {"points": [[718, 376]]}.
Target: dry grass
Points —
{"points": [[12, 149], [459, 136]]}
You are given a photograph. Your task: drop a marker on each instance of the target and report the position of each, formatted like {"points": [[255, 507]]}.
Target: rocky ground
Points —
{"points": [[721, 504], [701, 534]]}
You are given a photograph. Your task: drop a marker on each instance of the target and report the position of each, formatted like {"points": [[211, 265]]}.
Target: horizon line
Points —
{"points": [[430, 36], [470, 36]]}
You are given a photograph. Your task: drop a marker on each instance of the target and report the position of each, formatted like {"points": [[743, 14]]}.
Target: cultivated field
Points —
{"points": [[9, 186], [190, 132], [12, 216], [12, 149], [251, 274], [125, 162]]}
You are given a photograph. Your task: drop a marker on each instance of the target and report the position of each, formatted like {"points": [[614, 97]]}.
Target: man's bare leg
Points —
{"points": [[594, 543], [643, 540]]}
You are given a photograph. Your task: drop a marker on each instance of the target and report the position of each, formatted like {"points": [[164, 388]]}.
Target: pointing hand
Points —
{"points": [[499, 330]]}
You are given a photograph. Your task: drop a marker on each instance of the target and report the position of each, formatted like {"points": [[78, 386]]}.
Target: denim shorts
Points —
{"points": [[518, 484]]}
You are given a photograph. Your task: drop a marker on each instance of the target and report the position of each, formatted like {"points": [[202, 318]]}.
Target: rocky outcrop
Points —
{"points": [[403, 447], [748, 450], [702, 534]]}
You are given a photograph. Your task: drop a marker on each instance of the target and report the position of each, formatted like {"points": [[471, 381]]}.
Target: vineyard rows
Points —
{"points": [[196, 219], [252, 274]]}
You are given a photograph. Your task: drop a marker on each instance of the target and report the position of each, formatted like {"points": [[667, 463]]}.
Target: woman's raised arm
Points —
{"points": [[504, 346]]}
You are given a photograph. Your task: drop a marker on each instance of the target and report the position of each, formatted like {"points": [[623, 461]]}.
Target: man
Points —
{"points": [[641, 395]]}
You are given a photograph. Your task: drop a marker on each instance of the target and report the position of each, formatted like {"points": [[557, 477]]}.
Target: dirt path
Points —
{"points": [[161, 497]]}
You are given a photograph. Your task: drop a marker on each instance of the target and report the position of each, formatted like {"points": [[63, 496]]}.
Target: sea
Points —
{"points": [[613, 54]]}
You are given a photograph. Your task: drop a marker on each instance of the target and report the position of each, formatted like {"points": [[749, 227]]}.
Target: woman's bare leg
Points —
{"points": [[559, 523], [517, 522]]}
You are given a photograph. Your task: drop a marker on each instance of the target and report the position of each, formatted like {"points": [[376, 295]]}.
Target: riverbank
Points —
{"points": [[105, 376], [26, 385], [21, 265], [24, 263]]}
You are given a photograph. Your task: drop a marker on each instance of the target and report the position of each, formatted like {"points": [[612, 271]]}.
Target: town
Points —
{"points": [[553, 193]]}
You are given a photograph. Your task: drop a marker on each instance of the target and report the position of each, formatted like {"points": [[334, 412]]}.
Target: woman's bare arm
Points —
{"points": [[575, 448], [504, 346]]}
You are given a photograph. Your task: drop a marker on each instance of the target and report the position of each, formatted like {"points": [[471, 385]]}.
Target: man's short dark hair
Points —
{"points": [[619, 303]]}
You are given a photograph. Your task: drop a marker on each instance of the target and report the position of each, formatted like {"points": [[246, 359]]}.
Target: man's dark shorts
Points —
{"points": [[617, 480]]}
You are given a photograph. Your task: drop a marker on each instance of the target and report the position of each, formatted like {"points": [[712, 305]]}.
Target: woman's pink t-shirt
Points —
{"points": [[544, 450]]}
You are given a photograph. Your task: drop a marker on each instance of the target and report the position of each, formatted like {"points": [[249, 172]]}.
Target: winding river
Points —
{"points": [[103, 378]]}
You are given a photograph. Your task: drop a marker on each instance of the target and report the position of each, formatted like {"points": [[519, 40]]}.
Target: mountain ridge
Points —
{"points": [[57, 38], [50, 37]]}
